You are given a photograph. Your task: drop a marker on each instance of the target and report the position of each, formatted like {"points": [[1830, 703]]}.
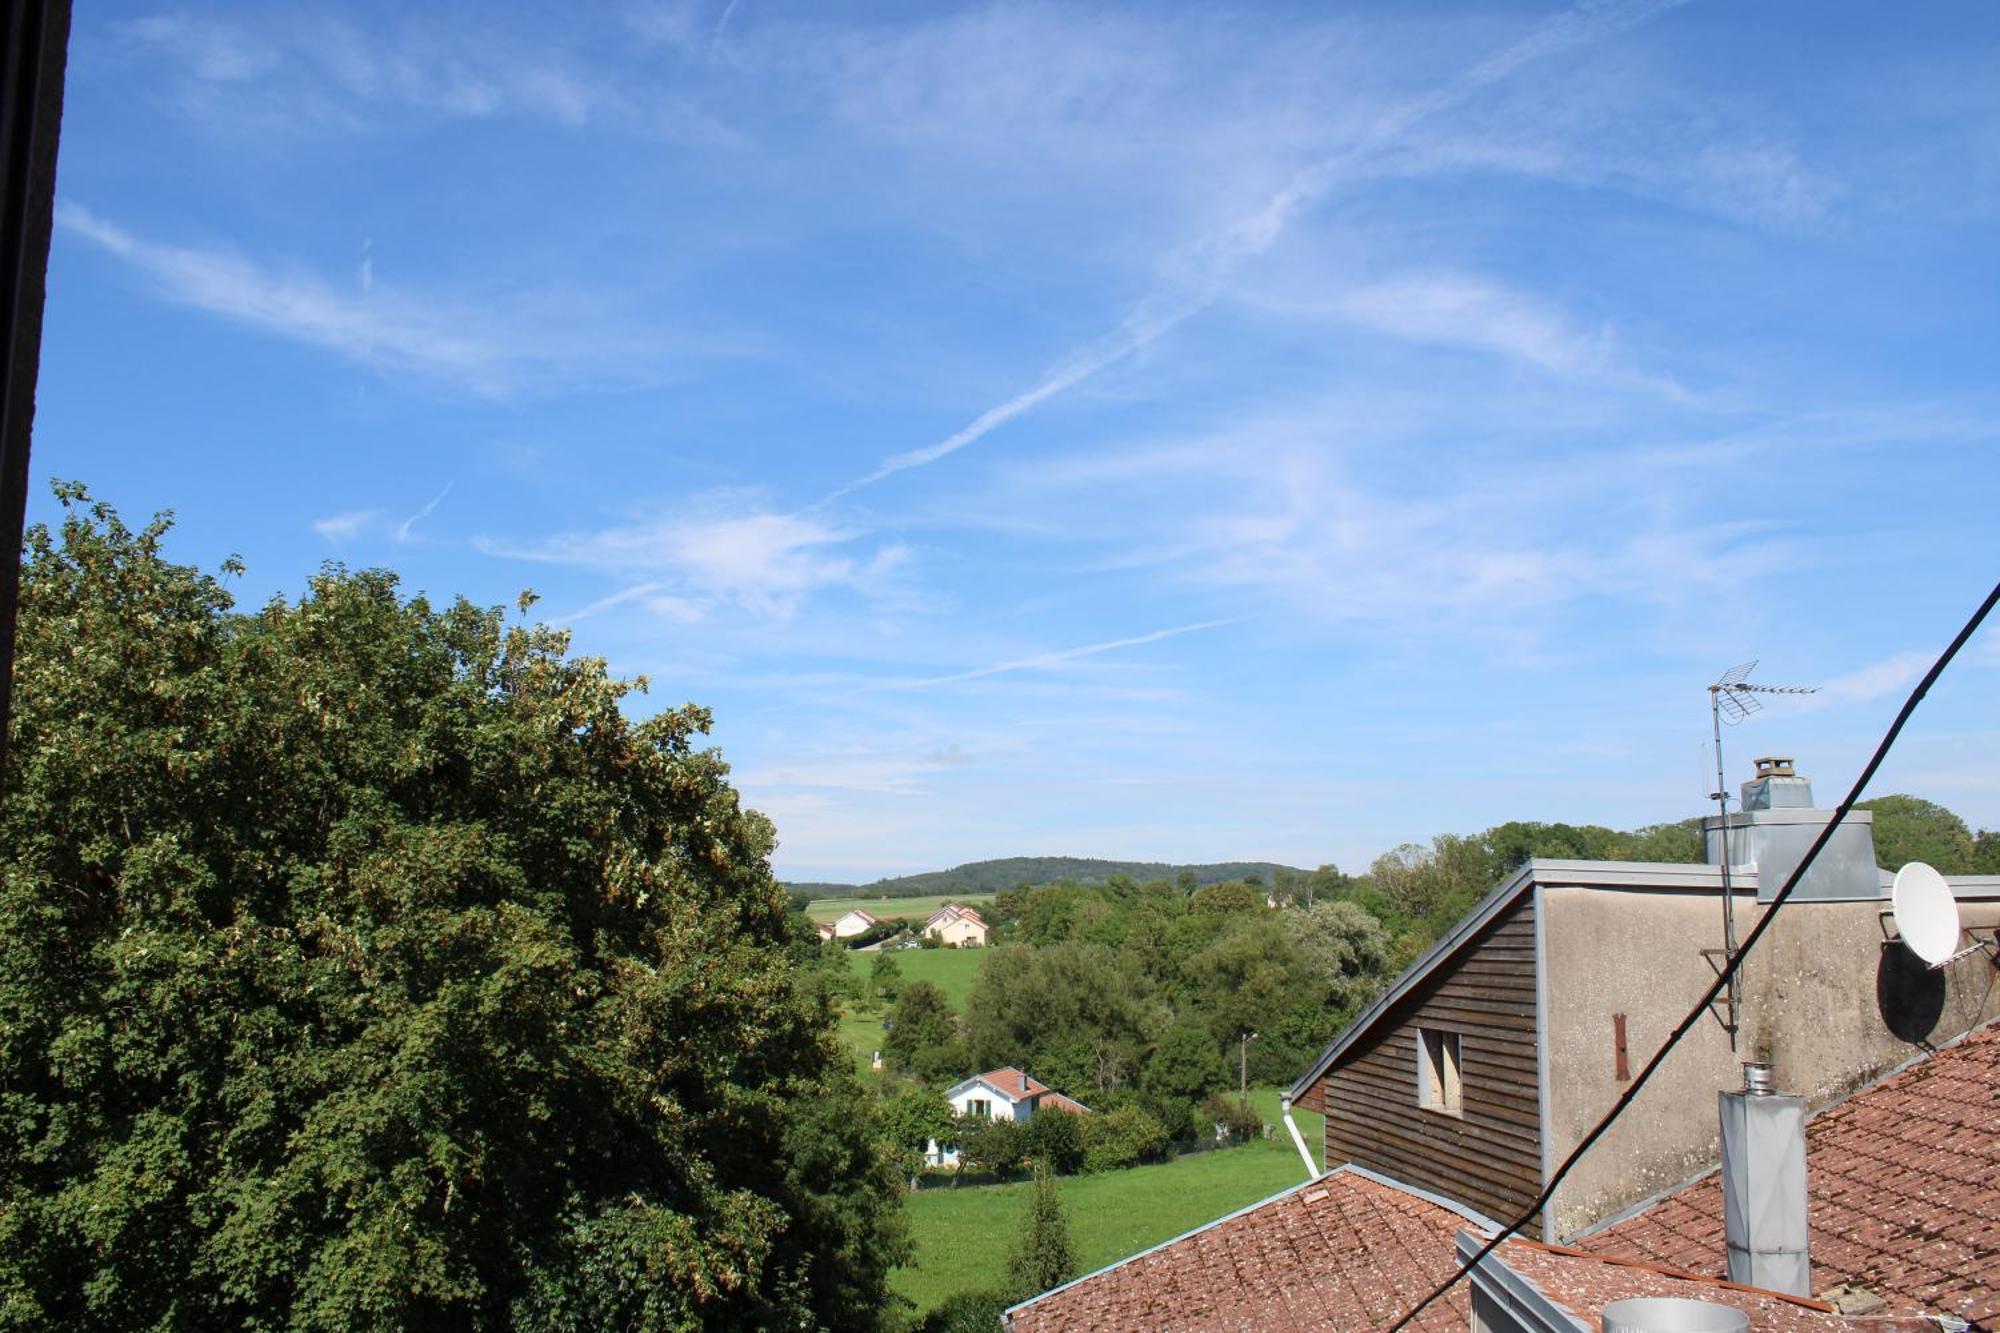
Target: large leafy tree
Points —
{"points": [[363, 966]]}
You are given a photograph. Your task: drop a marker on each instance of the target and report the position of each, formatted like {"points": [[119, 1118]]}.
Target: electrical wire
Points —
{"points": [[1724, 975]]}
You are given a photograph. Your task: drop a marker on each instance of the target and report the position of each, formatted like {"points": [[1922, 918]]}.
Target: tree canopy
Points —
{"points": [[363, 966]]}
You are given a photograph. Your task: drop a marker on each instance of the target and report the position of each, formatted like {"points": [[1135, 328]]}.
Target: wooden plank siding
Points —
{"points": [[1489, 1156]]}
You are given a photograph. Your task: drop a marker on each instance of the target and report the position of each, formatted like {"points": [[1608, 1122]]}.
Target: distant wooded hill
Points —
{"points": [[1009, 871]]}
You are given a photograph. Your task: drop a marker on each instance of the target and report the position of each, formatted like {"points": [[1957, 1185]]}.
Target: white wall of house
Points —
{"points": [[978, 1100], [853, 923]]}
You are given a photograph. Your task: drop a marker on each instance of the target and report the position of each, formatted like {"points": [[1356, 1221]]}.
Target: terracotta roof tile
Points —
{"points": [[1013, 1082], [1342, 1252], [1903, 1188], [1585, 1283]]}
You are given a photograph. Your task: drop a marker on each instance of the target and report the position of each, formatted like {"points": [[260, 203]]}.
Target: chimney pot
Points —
{"points": [[1757, 1078]]}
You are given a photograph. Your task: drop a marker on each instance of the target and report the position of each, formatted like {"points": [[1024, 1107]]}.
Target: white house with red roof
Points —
{"points": [[1000, 1094], [856, 921]]}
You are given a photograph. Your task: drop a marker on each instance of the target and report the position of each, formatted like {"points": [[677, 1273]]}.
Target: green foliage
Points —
{"points": [[1056, 1138], [1908, 828], [1075, 1011], [1187, 1064], [1238, 1120], [1045, 1256], [1121, 1137], [362, 966], [885, 976], [967, 1312], [923, 1035], [998, 1146], [913, 1117]]}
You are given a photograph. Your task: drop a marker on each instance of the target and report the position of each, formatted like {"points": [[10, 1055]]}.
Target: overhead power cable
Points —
{"points": [[1724, 975]]}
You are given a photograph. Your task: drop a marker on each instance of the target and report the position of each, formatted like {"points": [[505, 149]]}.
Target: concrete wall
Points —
{"points": [[1824, 1000]]}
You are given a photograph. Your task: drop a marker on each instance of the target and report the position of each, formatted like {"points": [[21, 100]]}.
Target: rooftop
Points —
{"points": [[1903, 1185], [1347, 1251]]}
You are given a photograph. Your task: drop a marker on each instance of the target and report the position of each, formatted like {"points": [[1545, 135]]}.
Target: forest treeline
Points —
{"points": [[1011, 871]]}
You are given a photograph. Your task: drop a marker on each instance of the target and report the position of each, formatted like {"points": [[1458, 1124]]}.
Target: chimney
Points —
{"points": [[1775, 826], [1764, 1185]]}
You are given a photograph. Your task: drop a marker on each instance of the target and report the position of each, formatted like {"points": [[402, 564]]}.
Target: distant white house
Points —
{"points": [[854, 922], [957, 927], [999, 1094], [825, 929]]}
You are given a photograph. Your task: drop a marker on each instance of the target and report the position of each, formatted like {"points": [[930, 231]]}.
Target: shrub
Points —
{"points": [[1056, 1137], [1121, 1138], [1238, 1121], [999, 1146], [967, 1312]]}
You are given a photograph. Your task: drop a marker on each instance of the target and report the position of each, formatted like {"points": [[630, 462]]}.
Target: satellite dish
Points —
{"points": [[1926, 913]]}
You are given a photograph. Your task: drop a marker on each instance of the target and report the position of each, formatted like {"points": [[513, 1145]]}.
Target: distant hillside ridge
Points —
{"points": [[1009, 871]]}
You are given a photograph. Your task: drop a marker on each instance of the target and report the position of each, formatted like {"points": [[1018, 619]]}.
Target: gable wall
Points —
{"points": [[1490, 1157]]}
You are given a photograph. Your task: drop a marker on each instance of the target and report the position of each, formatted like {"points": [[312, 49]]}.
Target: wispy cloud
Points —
{"points": [[494, 347], [727, 553], [1482, 314], [342, 528], [1043, 661], [1892, 675], [1208, 266]]}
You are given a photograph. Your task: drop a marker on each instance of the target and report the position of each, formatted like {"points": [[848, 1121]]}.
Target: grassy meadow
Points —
{"points": [[963, 1236], [951, 969], [892, 909]]}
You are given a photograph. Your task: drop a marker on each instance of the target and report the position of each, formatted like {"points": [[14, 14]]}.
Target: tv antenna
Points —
{"points": [[1732, 699]]}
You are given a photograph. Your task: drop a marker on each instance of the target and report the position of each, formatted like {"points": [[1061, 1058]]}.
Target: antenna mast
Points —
{"points": [[1733, 699]]}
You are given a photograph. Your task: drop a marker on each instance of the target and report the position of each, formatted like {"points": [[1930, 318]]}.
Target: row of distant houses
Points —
{"points": [[954, 926], [1864, 1196]]}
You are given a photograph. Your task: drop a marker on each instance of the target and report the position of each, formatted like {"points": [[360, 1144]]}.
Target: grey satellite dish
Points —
{"points": [[1926, 913]]}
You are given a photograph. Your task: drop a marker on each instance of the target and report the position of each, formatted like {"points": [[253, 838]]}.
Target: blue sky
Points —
{"points": [[1181, 433]]}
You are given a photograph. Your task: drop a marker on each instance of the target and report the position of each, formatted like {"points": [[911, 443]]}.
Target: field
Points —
{"points": [[890, 909], [950, 969], [963, 1236]]}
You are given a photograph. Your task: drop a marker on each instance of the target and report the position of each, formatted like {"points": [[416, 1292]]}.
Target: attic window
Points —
{"points": [[1438, 1086], [979, 1108]]}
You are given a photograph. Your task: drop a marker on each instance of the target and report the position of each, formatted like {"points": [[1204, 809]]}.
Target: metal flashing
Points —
{"points": [[1544, 1119], [1519, 1294]]}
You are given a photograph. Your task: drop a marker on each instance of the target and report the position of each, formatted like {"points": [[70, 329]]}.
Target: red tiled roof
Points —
{"points": [[1585, 1283], [1012, 1082], [1055, 1101], [1903, 1190], [1342, 1252]]}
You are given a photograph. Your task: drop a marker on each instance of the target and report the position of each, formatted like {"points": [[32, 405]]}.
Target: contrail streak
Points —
{"points": [[1068, 654], [1162, 311]]}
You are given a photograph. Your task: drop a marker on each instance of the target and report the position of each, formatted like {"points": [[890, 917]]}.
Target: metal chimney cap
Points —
{"points": [[1757, 1079], [1671, 1314]]}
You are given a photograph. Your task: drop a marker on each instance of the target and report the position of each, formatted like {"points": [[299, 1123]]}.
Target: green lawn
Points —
{"points": [[891, 909], [951, 970], [963, 1236]]}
